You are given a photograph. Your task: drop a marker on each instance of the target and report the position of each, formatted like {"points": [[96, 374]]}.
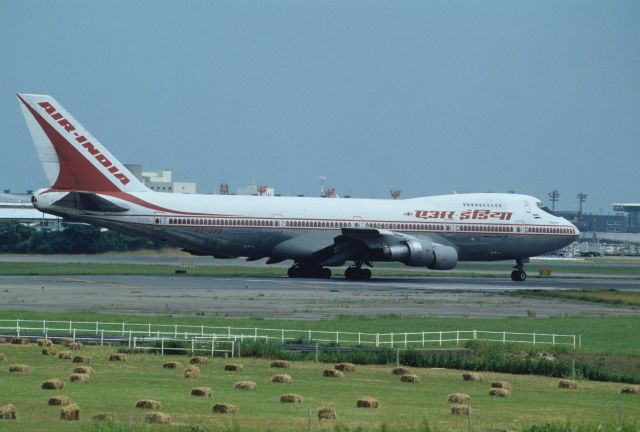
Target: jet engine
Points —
{"points": [[421, 253]]}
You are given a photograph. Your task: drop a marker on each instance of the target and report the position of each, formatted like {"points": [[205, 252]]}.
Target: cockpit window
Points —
{"points": [[545, 209]]}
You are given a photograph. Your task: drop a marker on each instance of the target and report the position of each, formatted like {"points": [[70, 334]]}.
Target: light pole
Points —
{"points": [[582, 197], [554, 196]]}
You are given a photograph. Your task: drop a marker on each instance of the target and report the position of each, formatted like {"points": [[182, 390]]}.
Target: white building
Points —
{"points": [[161, 180], [255, 190]]}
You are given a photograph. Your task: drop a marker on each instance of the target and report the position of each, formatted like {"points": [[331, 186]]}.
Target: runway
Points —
{"points": [[301, 298]]}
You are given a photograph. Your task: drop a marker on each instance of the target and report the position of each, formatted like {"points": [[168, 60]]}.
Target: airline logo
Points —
{"points": [[465, 215], [86, 144]]}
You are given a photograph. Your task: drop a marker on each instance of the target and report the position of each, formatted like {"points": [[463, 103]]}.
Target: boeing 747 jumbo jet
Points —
{"points": [[88, 184]]}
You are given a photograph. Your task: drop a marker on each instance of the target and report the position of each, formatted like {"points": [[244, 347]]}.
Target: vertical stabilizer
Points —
{"points": [[72, 158]]}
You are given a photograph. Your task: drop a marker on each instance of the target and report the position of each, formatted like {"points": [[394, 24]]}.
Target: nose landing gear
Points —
{"points": [[519, 275]]}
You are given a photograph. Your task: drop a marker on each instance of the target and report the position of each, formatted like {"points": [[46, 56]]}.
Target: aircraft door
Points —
{"points": [[278, 222], [159, 221]]}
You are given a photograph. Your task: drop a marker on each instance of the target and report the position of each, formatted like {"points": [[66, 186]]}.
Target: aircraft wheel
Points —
{"points": [[518, 276], [294, 272], [365, 274], [351, 273], [325, 273]]}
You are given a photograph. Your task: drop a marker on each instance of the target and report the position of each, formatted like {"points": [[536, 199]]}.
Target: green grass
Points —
{"points": [[115, 387], [490, 270], [609, 296], [611, 335]]}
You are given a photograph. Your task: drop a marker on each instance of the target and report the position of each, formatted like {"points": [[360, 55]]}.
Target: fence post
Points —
{"points": [[123, 329], [337, 336], [149, 329], [534, 338], [440, 337], [134, 343], [202, 330], [212, 346], [102, 337], [129, 338], [74, 334], [18, 327], [475, 334], [457, 337], [359, 343], [377, 340], [422, 338], [70, 327], [282, 336], [46, 333], [193, 347], [162, 346], [405, 339], [255, 333], [175, 331], [44, 326], [229, 331], [310, 335], [553, 339], [504, 337], [96, 327], [391, 340]]}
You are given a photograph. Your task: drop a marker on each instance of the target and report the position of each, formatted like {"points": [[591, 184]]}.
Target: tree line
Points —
{"points": [[74, 239]]}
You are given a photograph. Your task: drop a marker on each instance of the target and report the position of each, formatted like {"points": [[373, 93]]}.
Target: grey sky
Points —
{"points": [[428, 97]]}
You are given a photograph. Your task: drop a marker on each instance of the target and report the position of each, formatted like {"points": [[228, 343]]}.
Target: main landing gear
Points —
{"points": [[306, 271], [356, 272], [518, 275]]}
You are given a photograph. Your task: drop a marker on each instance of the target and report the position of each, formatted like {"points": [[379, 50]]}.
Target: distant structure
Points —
{"points": [[161, 181], [554, 196], [322, 191], [224, 189], [632, 218], [331, 192], [255, 191], [582, 197], [395, 193], [18, 207]]}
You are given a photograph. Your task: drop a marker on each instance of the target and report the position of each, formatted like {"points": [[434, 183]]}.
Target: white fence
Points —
{"points": [[119, 332]]}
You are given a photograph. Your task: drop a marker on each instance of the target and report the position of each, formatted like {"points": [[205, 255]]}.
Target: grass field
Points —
{"points": [[115, 387], [491, 270], [627, 298], [608, 335]]}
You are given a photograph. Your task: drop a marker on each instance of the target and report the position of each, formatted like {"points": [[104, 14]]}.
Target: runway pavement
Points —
{"points": [[300, 298]]}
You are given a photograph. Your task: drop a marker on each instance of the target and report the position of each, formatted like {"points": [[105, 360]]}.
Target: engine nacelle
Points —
{"points": [[418, 253]]}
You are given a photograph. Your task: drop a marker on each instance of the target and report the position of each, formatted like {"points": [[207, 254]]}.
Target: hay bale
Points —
{"points": [[52, 384], [2, 357], [245, 385], [332, 373], [81, 359], [118, 357], [172, 365], [291, 398], [281, 379], [75, 346], [49, 351], [345, 367], [59, 401], [224, 409], [282, 364], [3, 339], [567, 384], [233, 367], [65, 340], [157, 418], [83, 370], [501, 384], [70, 412], [44, 342], [400, 371], [201, 391], [326, 413], [500, 392], [192, 372], [198, 360], [458, 398], [19, 368], [8, 412], [20, 341], [367, 402], [79, 377], [472, 376], [414, 379], [630, 389], [148, 404], [65, 355], [459, 409], [104, 417]]}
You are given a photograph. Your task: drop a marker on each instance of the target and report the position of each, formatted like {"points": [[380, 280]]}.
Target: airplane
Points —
{"points": [[88, 184]]}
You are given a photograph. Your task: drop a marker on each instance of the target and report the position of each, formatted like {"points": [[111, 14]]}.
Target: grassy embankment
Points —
{"points": [[115, 387]]}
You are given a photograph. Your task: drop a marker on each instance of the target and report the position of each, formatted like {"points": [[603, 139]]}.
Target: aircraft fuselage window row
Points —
{"points": [[375, 225]]}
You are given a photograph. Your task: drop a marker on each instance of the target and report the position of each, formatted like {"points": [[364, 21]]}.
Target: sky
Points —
{"points": [[428, 97]]}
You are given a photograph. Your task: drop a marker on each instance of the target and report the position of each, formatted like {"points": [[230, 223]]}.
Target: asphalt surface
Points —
{"points": [[301, 298]]}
